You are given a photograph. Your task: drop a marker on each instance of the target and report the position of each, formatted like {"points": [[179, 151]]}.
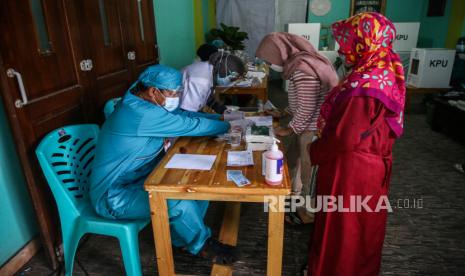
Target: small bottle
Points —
{"points": [[260, 106], [274, 165]]}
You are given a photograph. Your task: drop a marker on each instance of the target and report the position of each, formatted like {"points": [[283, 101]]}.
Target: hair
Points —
{"points": [[224, 64], [139, 87], [205, 51]]}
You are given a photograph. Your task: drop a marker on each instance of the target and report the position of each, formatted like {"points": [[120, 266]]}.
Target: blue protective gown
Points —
{"points": [[130, 145]]}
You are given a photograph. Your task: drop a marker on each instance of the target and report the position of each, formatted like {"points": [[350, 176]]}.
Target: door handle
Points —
{"points": [[131, 55], [23, 101]]}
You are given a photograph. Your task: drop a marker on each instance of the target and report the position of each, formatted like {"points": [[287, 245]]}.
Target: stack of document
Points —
{"points": [[244, 83], [261, 120], [259, 134], [258, 146], [242, 124], [237, 177], [191, 162], [234, 115], [255, 74], [259, 137], [240, 158], [269, 106]]}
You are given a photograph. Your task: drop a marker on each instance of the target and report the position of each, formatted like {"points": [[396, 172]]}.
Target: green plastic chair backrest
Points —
{"points": [[65, 156]]}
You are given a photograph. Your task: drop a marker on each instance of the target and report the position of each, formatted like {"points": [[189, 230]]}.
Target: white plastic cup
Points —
{"points": [[235, 138]]}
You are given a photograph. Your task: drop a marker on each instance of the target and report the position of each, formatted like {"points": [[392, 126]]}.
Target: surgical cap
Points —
{"points": [[161, 77]]}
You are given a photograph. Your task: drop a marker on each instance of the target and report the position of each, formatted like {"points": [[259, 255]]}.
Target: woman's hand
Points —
{"points": [[283, 131], [275, 113]]}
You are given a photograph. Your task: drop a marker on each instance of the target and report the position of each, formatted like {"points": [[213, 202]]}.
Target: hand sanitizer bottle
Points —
{"points": [[274, 165]]}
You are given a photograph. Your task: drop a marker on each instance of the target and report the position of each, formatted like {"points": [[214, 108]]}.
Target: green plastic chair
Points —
{"points": [[65, 156]]}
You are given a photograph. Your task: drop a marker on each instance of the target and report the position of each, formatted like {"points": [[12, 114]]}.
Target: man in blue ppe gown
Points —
{"points": [[131, 143]]}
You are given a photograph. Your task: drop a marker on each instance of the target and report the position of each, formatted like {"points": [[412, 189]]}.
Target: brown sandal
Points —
{"points": [[299, 217]]}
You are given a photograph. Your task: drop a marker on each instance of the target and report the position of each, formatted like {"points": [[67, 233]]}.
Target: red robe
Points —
{"points": [[354, 156]]}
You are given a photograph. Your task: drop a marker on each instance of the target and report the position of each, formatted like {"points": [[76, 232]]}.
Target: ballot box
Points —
{"points": [[430, 68]]}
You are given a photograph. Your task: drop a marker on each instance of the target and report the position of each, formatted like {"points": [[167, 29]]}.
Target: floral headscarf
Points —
{"points": [[366, 42]]}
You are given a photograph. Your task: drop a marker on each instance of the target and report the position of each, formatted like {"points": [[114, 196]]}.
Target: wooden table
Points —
{"points": [[411, 90], [260, 91], [163, 184]]}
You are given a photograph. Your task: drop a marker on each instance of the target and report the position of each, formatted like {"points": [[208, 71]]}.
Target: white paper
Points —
{"points": [[261, 120], [191, 162], [244, 83], [269, 105], [243, 124], [240, 158], [233, 115], [255, 74]]}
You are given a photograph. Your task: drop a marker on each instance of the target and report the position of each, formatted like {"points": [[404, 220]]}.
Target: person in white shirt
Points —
{"points": [[200, 78]]}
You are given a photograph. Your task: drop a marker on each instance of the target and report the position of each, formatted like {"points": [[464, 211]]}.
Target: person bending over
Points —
{"points": [[200, 78], [310, 76]]}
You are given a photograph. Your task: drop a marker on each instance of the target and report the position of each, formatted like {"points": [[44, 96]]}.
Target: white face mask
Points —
{"points": [[344, 60], [171, 103], [276, 68]]}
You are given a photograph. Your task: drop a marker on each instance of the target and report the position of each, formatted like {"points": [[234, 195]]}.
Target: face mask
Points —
{"points": [[344, 61], [460, 47], [228, 79], [171, 103], [276, 68]]}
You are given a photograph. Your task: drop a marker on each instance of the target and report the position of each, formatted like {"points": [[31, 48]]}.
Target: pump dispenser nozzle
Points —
{"points": [[274, 147]]}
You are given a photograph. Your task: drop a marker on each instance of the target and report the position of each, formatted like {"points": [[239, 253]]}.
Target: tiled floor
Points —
{"points": [[419, 241]]}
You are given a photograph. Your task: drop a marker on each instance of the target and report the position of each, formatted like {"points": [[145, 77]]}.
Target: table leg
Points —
{"points": [[408, 97], [161, 234], [275, 238], [228, 234], [264, 95]]}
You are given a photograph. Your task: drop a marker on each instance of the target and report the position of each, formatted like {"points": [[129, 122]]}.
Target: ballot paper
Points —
{"points": [[234, 115], [269, 105], [191, 162], [255, 74], [242, 124], [239, 179], [261, 120], [239, 158], [230, 174], [244, 83]]}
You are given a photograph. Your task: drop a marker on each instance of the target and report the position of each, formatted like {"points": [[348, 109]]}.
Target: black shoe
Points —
{"points": [[460, 167], [219, 253]]}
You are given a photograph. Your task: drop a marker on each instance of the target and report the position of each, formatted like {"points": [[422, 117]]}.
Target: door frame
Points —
{"points": [[45, 227], [48, 220]]}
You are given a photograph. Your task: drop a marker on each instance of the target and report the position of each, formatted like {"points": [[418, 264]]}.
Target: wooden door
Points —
{"points": [[108, 40], [41, 45], [140, 24], [122, 35], [72, 56]]}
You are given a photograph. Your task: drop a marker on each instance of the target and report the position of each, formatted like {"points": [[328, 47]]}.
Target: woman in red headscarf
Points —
{"points": [[360, 119]]}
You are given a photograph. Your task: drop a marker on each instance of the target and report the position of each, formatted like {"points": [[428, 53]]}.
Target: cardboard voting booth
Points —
{"points": [[430, 68], [309, 31], [406, 36]]}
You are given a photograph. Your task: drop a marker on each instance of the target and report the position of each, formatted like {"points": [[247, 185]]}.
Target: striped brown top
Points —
{"points": [[305, 98]]}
